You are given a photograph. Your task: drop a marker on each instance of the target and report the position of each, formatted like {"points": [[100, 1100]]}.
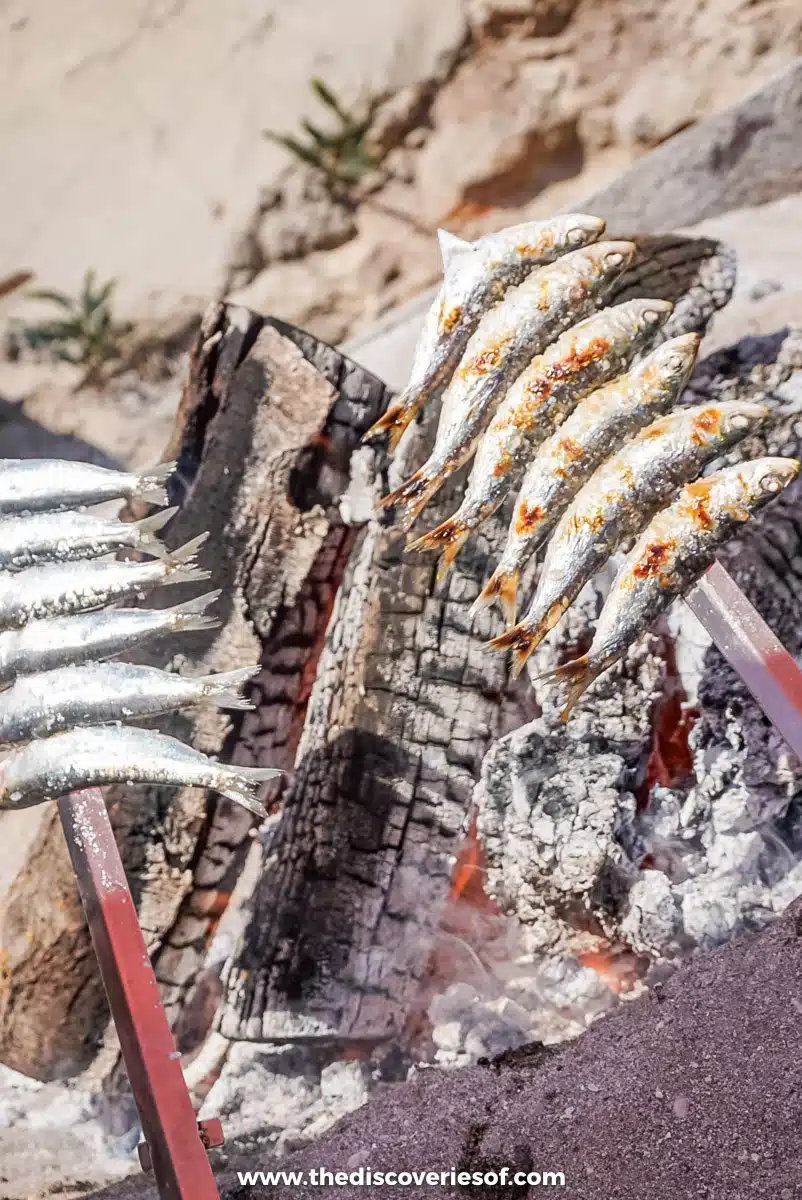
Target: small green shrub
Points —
{"points": [[340, 155]]}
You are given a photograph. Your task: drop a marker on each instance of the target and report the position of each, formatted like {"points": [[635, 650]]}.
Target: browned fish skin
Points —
{"points": [[616, 503], [591, 353], [527, 320], [596, 429], [476, 276], [671, 554]]}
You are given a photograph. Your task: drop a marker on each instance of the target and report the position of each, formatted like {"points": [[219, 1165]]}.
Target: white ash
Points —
{"points": [[64, 1123], [275, 1097], [359, 500]]}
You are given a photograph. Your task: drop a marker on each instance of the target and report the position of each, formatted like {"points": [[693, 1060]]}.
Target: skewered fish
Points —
{"points": [[616, 503], [99, 693], [594, 430], [589, 354], [671, 554], [48, 485], [525, 322], [476, 275], [46, 769], [94, 636], [67, 536], [56, 589]]}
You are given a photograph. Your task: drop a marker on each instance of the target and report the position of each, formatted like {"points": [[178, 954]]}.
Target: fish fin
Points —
{"points": [[450, 536], [394, 422], [413, 495], [192, 615], [241, 787], [180, 568], [150, 483], [225, 687], [501, 588], [451, 247], [149, 527], [524, 638], [579, 675]]}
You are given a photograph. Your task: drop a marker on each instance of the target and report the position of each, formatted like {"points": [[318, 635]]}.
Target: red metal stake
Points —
{"points": [[746, 641], [176, 1143]]}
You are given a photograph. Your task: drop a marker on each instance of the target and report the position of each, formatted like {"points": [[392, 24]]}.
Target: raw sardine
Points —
{"points": [[671, 554], [476, 276], [591, 353], [48, 485], [526, 321], [618, 501], [66, 536], [99, 693], [67, 762], [595, 429], [94, 636], [55, 589]]}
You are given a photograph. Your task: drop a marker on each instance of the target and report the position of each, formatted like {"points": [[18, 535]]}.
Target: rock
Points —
{"points": [[396, 116], [539, 18], [503, 129]]}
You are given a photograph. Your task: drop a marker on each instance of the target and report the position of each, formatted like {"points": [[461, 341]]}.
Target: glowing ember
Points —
{"points": [[617, 966]]}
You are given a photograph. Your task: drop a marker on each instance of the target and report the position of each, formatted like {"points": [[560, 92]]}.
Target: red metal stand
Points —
{"points": [[176, 1143], [746, 641]]}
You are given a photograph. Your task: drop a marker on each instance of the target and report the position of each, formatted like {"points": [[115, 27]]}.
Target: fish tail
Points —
{"points": [[413, 495], [179, 565], [150, 483], [240, 784], [525, 637], [579, 675], [226, 687], [192, 614], [450, 536], [149, 527], [395, 420], [501, 588]]}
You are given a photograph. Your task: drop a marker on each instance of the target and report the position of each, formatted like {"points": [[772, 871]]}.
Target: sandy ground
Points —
{"points": [[131, 132]]}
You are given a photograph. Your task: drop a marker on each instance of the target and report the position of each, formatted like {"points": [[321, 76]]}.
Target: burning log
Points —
{"points": [[392, 722]]}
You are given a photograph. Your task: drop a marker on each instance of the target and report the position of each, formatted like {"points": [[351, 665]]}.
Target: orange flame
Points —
{"points": [[617, 966], [468, 876]]}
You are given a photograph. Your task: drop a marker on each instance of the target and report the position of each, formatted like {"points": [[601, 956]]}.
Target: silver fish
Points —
{"points": [[55, 589], [595, 429], [100, 693], [94, 636], [476, 275], [590, 353], [526, 321], [671, 554], [67, 536], [46, 769], [48, 485], [616, 503]]}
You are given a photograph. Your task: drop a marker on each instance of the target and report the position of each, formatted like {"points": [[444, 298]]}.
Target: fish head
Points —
{"points": [[604, 258], [575, 230], [649, 315], [764, 478], [674, 359], [734, 419]]}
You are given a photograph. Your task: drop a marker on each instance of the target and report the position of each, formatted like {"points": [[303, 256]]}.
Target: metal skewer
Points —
{"points": [[749, 646]]}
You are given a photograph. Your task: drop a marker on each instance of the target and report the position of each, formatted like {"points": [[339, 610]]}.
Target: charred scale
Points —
{"points": [[655, 558], [527, 517]]}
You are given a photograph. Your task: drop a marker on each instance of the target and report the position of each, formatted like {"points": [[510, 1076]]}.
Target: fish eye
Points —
{"points": [[770, 483], [651, 316], [576, 236], [740, 421]]}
